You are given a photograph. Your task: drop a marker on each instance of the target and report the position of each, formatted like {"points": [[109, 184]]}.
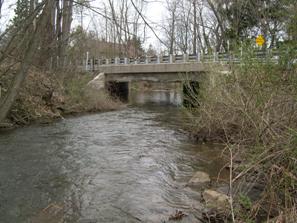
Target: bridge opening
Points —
{"points": [[190, 94], [152, 92], [118, 90]]}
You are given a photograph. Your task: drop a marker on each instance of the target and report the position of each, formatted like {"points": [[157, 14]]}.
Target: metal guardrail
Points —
{"points": [[259, 56]]}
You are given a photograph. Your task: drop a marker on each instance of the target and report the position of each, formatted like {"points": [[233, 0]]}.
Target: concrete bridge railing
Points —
{"points": [[94, 63], [224, 58]]}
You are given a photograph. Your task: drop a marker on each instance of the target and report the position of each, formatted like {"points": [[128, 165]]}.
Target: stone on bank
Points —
{"points": [[199, 178], [216, 200]]}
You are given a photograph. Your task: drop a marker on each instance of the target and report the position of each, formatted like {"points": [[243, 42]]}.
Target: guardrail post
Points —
{"points": [[185, 57], [116, 60], [146, 59], [93, 64], [126, 60], [158, 59], [214, 56], [170, 58], [136, 61], [241, 54], [198, 57], [106, 61], [87, 62], [269, 54]]}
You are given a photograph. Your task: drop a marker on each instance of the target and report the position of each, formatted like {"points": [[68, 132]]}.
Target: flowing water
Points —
{"points": [[123, 166]]}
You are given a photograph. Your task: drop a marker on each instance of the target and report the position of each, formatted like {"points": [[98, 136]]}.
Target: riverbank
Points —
{"points": [[253, 112], [47, 96]]}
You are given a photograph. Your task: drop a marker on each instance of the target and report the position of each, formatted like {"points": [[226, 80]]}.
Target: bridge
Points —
{"points": [[120, 73], [169, 68]]}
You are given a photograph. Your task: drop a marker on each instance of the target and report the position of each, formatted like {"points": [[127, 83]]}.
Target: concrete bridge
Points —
{"points": [[156, 72], [121, 73], [164, 75], [136, 67], [159, 68]]}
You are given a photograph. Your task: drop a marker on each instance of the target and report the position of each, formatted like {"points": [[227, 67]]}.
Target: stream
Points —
{"points": [[131, 165]]}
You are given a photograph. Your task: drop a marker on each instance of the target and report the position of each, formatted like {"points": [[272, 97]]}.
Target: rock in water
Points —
{"points": [[199, 178], [51, 214], [216, 200]]}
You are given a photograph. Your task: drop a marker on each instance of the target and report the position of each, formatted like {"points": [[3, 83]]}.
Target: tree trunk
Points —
{"points": [[195, 28], [8, 101], [58, 45], [30, 49], [66, 27], [48, 37], [172, 34]]}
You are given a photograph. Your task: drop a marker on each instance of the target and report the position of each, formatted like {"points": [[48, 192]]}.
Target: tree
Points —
{"points": [[195, 36], [27, 49], [151, 51], [1, 3], [79, 9], [172, 7], [291, 25]]}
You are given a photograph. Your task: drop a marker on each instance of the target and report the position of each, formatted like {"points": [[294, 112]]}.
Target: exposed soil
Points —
{"points": [[45, 97]]}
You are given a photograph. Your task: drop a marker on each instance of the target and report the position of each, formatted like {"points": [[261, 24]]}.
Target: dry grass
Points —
{"points": [[47, 96], [253, 110], [80, 98]]}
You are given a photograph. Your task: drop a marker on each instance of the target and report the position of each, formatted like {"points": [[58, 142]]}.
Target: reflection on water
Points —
{"points": [[163, 93], [123, 166], [157, 96]]}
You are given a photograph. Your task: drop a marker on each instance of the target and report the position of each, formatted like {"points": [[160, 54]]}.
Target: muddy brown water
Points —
{"points": [[123, 166]]}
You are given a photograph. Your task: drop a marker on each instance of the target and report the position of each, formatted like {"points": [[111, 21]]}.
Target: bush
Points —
{"points": [[254, 109], [79, 99]]}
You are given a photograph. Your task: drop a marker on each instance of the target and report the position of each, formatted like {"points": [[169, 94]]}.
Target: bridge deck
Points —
{"points": [[156, 68]]}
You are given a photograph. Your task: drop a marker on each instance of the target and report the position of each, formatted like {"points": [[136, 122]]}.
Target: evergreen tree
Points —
{"points": [[22, 11]]}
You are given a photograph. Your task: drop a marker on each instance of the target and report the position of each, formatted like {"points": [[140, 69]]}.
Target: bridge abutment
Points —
{"points": [[142, 91], [165, 88]]}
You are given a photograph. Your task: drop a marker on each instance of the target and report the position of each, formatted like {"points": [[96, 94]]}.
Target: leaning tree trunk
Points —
{"points": [[30, 49]]}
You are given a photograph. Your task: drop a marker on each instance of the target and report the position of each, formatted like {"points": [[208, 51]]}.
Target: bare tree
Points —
{"points": [[195, 27], [29, 47], [1, 3]]}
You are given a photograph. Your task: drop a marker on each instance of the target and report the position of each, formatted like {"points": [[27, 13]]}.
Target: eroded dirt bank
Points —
{"points": [[46, 97]]}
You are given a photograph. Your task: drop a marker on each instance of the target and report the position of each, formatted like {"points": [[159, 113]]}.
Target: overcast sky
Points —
{"points": [[7, 12], [154, 13]]}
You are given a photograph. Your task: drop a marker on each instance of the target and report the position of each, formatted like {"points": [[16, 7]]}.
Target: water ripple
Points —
{"points": [[123, 166]]}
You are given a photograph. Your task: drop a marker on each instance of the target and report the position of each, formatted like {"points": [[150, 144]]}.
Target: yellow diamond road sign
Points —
{"points": [[260, 40]]}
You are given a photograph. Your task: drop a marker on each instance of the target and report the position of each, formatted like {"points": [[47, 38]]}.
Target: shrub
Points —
{"points": [[79, 99], [254, 109]]}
